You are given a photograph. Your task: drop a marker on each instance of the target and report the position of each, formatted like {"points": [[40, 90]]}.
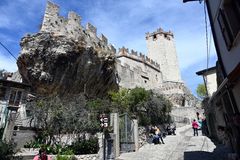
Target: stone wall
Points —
{"points": [[71, 27], [20, 137], [178, 94], [185, 114], [142, 136], [172, 88], [136, 70]]}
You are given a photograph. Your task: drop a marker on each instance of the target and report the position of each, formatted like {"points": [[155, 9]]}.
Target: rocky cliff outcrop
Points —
{"points": [[56, 64], [66, 58]]}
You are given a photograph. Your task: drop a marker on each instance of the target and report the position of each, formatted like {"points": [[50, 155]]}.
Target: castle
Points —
{"points": [[158, 70]]}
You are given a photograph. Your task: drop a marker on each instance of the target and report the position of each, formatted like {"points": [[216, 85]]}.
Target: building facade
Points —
{"points": [[210, 80], [224, 16], [13, 112], [137, 70]]}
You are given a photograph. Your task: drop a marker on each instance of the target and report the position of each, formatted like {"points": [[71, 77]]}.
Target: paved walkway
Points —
{"points": [[183, 146]]}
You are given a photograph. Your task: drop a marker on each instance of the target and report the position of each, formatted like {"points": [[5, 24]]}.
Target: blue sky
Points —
{"points": [[123, 22]]}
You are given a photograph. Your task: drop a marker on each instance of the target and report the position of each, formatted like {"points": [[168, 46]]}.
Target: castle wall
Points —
{"points": [[137, 70], [71, 28], [161, 48], [172, 88]]}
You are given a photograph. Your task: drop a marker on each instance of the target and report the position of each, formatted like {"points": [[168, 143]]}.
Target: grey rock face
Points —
{"points": [[55, 64]]}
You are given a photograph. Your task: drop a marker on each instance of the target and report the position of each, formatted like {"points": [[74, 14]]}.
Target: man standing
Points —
{"points": [[195, 127]]}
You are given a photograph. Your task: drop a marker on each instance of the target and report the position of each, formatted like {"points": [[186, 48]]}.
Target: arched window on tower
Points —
{"points": [[154, 37]]}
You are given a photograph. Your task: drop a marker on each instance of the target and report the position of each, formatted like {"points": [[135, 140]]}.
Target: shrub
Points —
{"points": [[61, 157], [85, 146]]}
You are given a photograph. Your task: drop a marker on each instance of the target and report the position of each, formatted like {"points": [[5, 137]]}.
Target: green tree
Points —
{"points": [[147, 106], [137, 97], [55, 116], [158, 108], [201, 91], [120, 100]]}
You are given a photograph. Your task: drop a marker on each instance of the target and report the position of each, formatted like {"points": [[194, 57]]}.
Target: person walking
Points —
{"points": [[195, 127]]}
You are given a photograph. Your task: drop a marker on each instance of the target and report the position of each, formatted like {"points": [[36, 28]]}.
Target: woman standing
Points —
{"points": [[195, 127]]}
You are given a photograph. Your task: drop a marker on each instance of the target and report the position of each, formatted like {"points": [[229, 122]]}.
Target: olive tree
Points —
{"points": [[54, 116]]}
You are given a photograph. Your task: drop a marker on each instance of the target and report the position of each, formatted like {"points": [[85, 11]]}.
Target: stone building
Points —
{"points": [[224, 19], [13, 112], [157, 70], [210, 79], [137, 70]]}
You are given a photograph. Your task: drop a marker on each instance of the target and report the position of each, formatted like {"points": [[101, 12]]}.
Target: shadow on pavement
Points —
{"points": [[219, 153]]}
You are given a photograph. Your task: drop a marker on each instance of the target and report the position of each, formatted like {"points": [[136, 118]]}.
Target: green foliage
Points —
{"points": [[147, 106], [85, 146], [137, 98], [64, 157], [56, 116], [38, 141], [81, 146], [201, 91], [120, 99], [158, 108], [99, 105], [6, 150]]}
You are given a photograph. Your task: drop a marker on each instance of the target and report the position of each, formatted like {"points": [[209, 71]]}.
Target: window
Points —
{"points": [[12, 97], [229, 21], [15, 97], [154, 37]]}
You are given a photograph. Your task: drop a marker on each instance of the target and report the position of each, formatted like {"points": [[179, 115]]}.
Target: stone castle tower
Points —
{"points": [[161, 48]]}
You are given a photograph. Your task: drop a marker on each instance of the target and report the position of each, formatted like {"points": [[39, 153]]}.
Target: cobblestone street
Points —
{"points": [[183, 146]]}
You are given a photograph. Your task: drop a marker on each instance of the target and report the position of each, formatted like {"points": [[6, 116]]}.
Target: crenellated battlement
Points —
{"points": [[140, 57], [72, 28], [160, 33]]}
